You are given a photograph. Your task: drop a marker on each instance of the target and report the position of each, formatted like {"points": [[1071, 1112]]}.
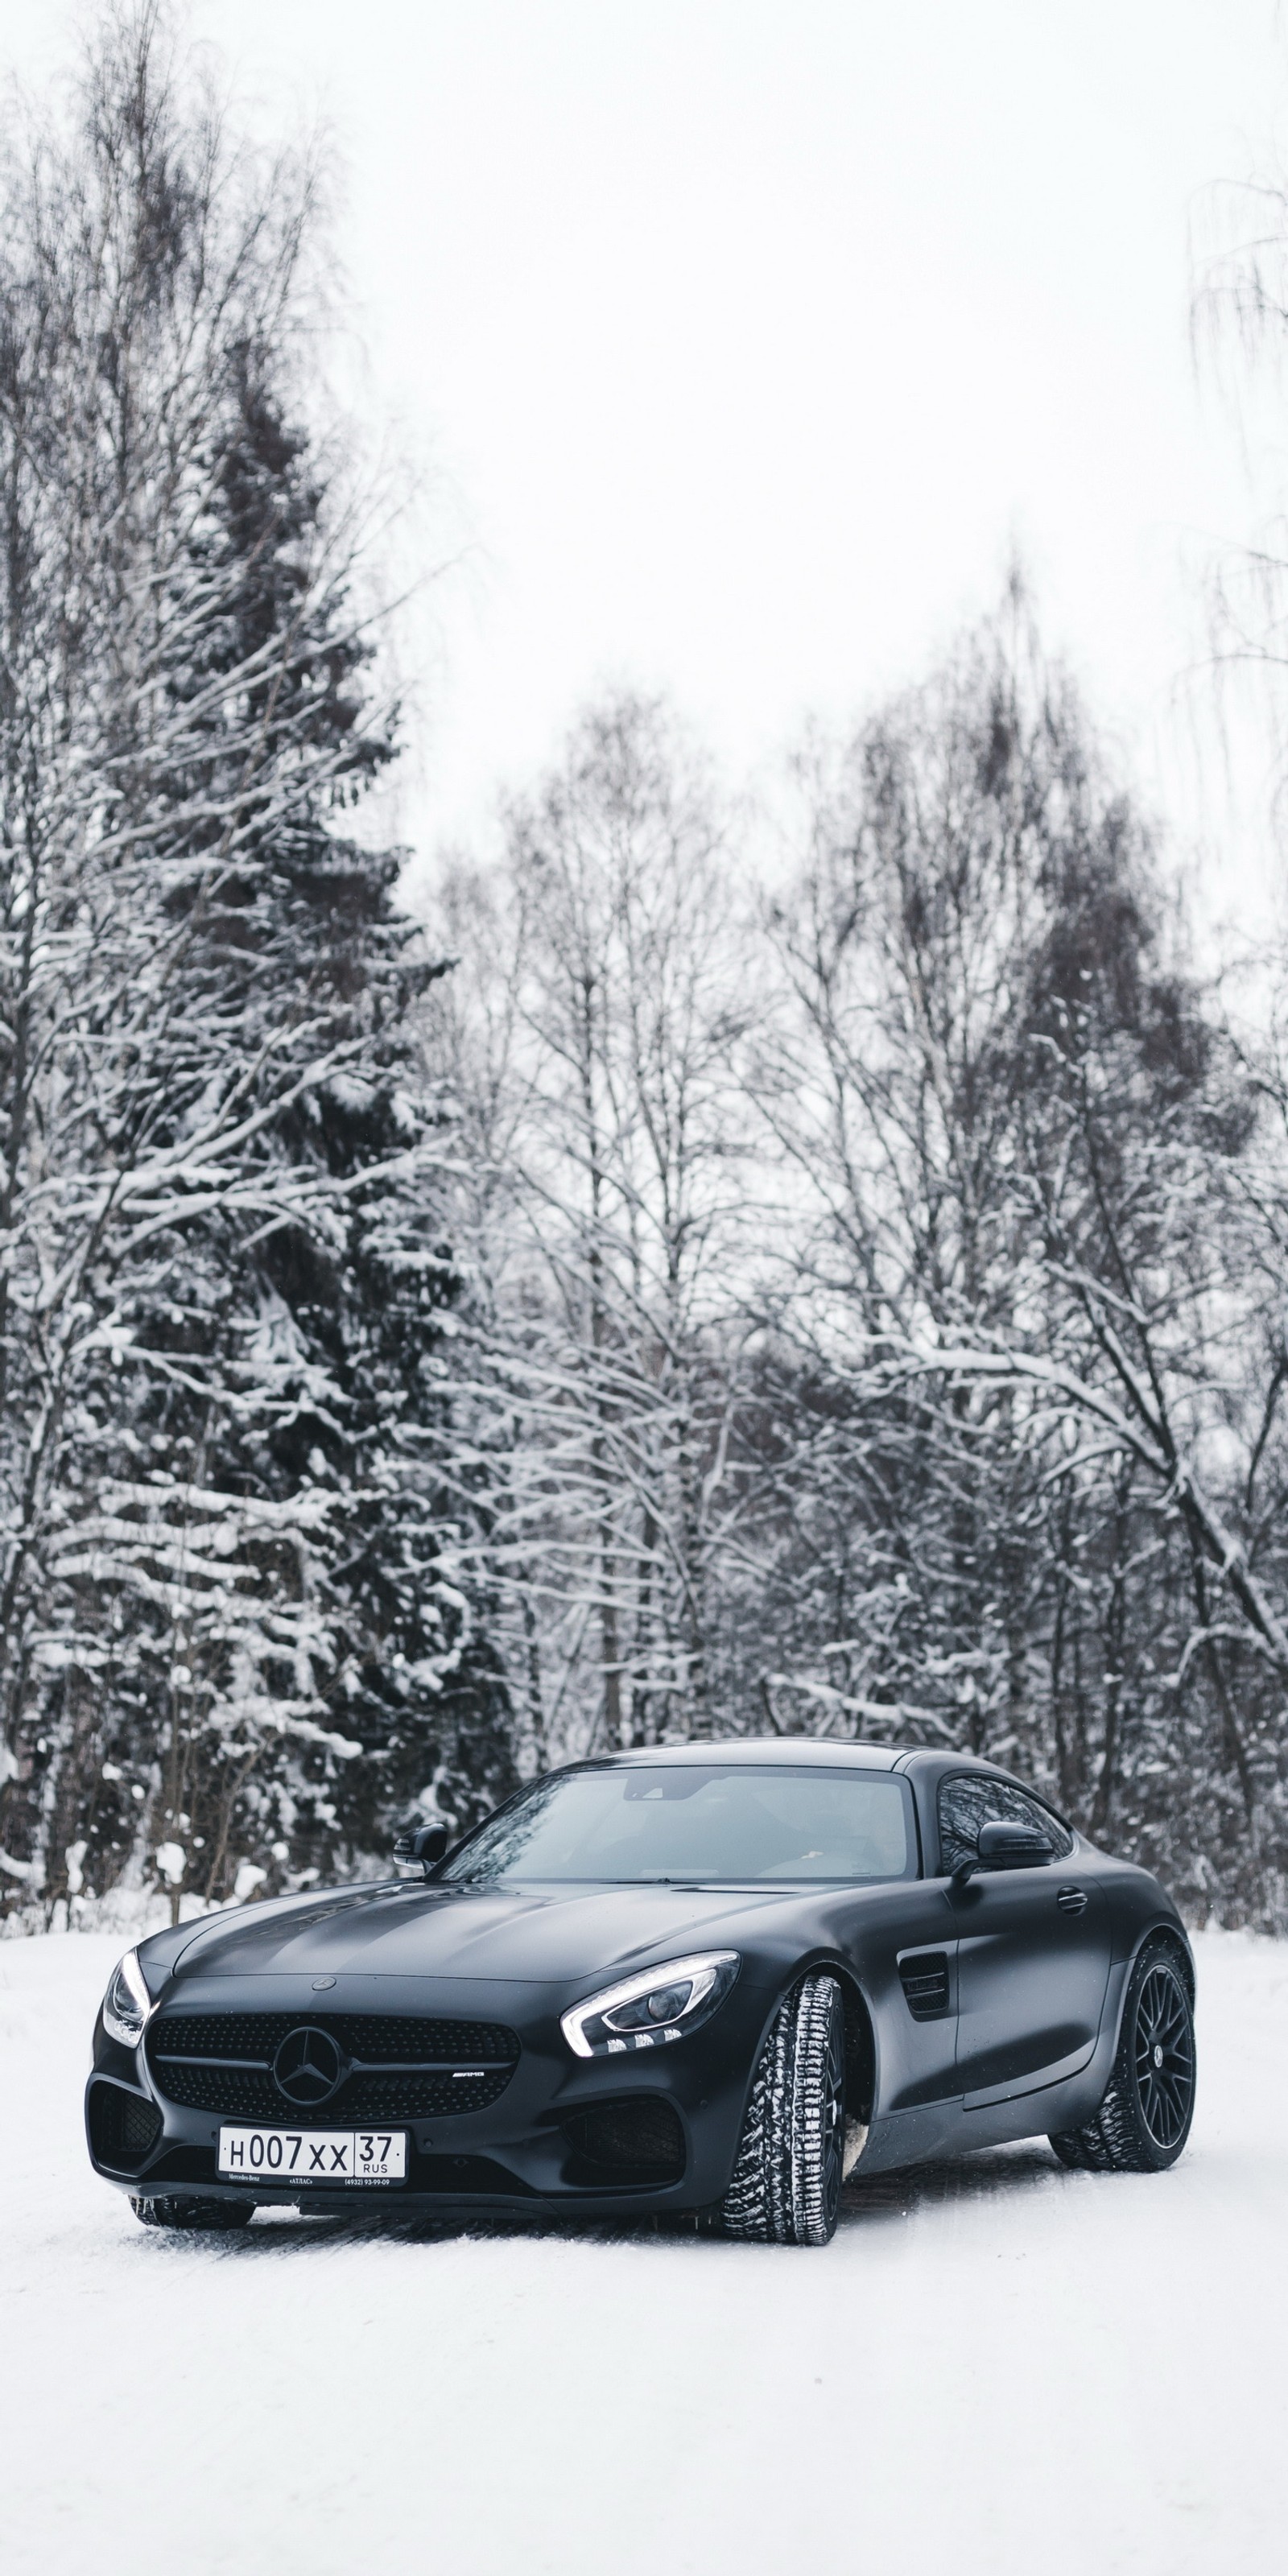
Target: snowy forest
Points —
{"points": [[811, 1261]]}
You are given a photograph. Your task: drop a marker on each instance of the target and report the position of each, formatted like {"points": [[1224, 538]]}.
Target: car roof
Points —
{"points": [[925, 1762], [792, 1751]]}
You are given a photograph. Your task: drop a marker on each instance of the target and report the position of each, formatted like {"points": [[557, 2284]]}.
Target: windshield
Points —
{"points": [[646, 1824]]}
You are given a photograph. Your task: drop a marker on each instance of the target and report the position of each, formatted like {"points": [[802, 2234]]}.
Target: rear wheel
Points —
{"points": [[1144, 2120], [786, 2185], [183, 2210]]}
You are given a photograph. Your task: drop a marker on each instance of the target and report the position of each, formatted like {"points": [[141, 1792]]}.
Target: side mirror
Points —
{"points": [[423, 1848], [1002, 1846]]}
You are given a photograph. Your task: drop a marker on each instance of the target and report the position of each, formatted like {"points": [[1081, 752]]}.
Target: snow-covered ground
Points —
{"points": [[997, 2366]]}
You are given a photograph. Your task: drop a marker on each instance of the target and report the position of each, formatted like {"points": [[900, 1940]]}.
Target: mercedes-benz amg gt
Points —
{"points": [[717, 1978]]}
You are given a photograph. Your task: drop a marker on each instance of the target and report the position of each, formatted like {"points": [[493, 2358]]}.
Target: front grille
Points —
{"points": [[401, 2068], [924, 1979], [239, 2092], [423, 2097], [376, 2039], [123, 2126], [627, 2142], [249, 2093]]}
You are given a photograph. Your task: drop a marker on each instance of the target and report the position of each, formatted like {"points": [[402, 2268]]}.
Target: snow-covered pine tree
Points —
{"points": [[232, 1632]]}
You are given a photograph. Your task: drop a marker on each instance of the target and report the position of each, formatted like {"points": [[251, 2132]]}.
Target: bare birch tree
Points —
{"points": [[599, 1049]]}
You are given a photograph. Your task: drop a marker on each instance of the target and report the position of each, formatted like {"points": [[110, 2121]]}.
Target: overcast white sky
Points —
{"points": [[754, 333]]}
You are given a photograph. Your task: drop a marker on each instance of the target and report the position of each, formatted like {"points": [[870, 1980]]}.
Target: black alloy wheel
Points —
{"points": [[1144, 2120], [1164, 2057]]}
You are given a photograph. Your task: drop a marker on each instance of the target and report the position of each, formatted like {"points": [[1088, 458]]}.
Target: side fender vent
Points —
{"points": [[924, 1978]]}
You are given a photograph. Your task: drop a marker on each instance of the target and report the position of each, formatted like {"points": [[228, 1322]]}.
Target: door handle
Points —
{"points": [[1071, 1900]]}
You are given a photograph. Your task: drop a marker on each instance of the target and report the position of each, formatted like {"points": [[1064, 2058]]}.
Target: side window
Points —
{"points": [[970, 1800]]}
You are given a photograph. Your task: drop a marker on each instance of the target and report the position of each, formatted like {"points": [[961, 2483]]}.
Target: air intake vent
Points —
{"points": [[924, 1978], [123, 2127], [626, 2142]]}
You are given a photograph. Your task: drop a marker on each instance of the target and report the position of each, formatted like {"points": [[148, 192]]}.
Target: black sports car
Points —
{"points": [[716, 1978]]}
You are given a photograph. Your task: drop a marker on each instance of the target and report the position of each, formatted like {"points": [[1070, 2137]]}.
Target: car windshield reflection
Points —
{"points": [[653, 1825]]}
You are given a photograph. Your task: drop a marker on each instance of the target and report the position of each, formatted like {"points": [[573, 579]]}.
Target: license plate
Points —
{"points": [[313, 2155]]}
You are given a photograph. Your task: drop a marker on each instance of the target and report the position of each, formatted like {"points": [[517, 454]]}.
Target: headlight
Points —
{"points": [[127, 2003], [647, 2011]]}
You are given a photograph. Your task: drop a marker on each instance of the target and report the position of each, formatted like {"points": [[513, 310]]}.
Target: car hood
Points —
{"points": [[542, 1935]]}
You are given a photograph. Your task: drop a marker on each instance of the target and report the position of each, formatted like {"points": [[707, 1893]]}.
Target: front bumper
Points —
{"points": [[525, 2151]]}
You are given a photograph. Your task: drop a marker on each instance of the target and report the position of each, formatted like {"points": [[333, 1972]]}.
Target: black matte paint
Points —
{"points": [[1024, 2046]]}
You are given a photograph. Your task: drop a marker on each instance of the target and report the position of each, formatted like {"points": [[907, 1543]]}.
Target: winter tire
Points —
{"points": [[786, 2186], [1144, 2120], [180, 2210]]}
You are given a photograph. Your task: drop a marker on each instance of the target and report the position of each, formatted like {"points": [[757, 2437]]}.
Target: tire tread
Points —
{"points": [[189, 2210], [777, 2193]]}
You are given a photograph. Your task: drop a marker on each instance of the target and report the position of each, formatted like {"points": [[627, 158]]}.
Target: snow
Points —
{"points": [[996, 2365]]}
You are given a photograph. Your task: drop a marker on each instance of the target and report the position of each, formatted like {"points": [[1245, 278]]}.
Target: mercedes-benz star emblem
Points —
{"points": [[307, 2067]]}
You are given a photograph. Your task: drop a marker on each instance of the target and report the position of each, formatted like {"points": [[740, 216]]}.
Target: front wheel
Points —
{"points": [[786, 2185], [1144, 2120], [182, 2209]]}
